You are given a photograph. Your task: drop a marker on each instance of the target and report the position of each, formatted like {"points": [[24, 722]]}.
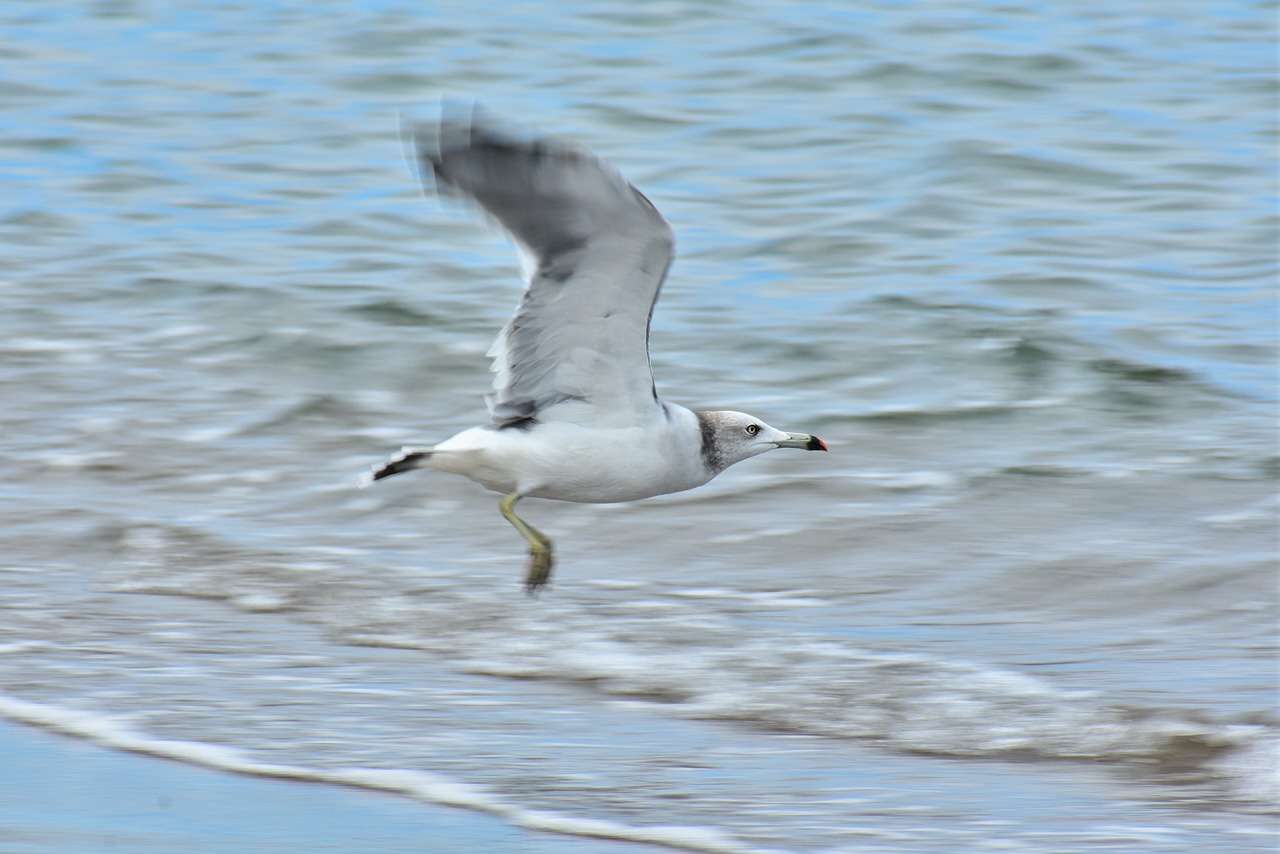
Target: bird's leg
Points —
{"points": [[540, 551]]}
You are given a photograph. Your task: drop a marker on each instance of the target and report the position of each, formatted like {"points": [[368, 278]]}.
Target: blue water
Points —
{"points": [[1016, 264]]}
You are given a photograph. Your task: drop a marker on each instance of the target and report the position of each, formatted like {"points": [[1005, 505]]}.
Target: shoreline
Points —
{"points": [[61, 794]]}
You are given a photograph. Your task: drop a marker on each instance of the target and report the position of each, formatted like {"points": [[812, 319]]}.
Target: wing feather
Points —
{"points": [[600, 253]]}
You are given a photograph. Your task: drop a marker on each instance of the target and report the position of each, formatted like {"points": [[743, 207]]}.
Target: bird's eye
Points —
{"points": [[752, 429]]}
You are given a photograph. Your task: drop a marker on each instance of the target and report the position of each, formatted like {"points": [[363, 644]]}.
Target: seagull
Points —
{"points": [[574, 412]]}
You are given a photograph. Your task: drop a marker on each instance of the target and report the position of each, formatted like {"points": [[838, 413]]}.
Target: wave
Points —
{"points": [[694, 661], [420, 785]]}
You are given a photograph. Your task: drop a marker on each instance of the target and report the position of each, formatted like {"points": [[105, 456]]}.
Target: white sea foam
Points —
{"points": [[420, 785], [1253, 771], [669, 645]]}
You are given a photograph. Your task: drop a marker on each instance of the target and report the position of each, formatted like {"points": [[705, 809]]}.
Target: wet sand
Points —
{"points": [[64, 795]]}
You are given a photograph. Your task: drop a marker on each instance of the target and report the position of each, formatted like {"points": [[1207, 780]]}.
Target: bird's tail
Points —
{"points": [[407, 460]]}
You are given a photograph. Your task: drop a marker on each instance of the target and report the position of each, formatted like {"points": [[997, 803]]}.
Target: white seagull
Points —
{"points": [[575, 415]]}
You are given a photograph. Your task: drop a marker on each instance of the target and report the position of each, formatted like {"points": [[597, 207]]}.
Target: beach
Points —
{"points": [[65, 795]]}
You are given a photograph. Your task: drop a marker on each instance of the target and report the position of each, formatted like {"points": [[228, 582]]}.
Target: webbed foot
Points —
{"points": [[538, 572]]}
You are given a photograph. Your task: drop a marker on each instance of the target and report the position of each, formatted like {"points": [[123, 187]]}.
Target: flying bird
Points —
{"points": [[574, 412]]}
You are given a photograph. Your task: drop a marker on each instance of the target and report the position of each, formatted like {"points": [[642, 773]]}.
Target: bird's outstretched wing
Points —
{"points": [[600, 251]]}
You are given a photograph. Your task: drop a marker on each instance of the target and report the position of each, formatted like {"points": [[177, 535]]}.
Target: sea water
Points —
{"points": [[1014, 263]]}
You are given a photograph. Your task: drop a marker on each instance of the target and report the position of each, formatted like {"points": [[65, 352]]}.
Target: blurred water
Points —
{"points": [[1015, 264]]}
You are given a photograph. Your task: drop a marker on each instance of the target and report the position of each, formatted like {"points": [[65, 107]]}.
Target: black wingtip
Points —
{"points": [[402, 463]]}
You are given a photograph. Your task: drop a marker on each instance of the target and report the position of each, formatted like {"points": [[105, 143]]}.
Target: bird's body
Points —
{"points": [[575, 415], [570, 461]]}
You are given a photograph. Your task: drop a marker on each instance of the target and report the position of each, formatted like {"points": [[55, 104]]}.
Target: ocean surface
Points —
{"points": [[1014, 262]]}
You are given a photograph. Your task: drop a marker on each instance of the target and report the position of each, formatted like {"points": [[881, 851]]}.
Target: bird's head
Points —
{"points": [[731, 437]]}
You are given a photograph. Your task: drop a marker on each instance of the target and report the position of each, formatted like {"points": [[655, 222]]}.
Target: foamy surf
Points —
{"points": [[680, 652], [423, 786]]}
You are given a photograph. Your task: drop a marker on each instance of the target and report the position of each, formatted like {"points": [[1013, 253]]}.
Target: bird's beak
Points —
{"points": [[803, 441]]}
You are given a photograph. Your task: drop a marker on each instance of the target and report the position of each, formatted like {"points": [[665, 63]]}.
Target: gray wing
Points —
{"points": [[600, 251]]}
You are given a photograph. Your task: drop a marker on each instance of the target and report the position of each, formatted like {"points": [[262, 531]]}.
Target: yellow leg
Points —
{"points": [[540, 551]]}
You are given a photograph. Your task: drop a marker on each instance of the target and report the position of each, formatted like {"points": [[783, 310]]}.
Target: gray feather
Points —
{"points": [[601, 251]]}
